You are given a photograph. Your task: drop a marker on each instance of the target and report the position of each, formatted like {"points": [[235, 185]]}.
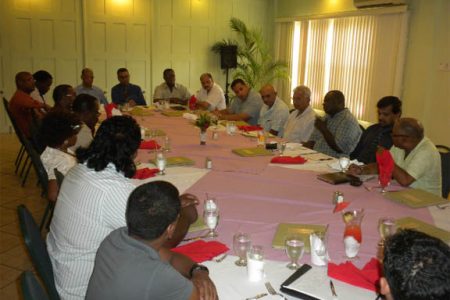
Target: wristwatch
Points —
{"points": [[197, 267]]}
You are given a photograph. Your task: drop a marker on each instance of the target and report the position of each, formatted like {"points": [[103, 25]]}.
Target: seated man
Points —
{"points": [[63, 97], [43, 81], [132, 262], [300, 123], [417, 161], [87, 86], [416, 266], [339, 132], [210, 96], [274, 112], [21, 104], [126, 92], [245, 106], [86, 108], [92, 203], [169, 90], [389, 110]]}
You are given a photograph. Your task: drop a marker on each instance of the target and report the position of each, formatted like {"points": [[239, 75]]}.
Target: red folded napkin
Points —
{"points": [[340, 206], [250, 128], [108, 109], [288, 160], [149, 145], [145, 173], [192, 102], [200, 251], [385, 166], [366, 278]]}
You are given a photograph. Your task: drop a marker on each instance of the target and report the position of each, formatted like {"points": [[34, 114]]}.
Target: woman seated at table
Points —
{"points": [[59, 131]]}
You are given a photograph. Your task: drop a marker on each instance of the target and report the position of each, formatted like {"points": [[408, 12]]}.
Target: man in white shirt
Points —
{"points": [[87, 86], [169, 90], [274, 112], [300, 123], [210, 96], [43, 81]]}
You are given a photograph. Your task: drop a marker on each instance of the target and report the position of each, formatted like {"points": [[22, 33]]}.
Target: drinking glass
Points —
{"points": [[255, 263], [210, 204], [386, 228], [161, 162], [211, 218], [344, 163], [294, 250], [319, 248], [241, 244], [261, 138], [231, 127], [167, 143], [282, 148], [352, 232]]}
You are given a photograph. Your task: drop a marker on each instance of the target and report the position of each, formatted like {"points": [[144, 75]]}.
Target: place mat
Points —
{"points": [[198, 225], [250, 152], [304, 230], [176, 161], [172, 113], [140, 111], [415, 198], [413, 223]]}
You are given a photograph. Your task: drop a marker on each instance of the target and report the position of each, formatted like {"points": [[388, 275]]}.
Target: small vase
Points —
{"points": [[202, 137]]}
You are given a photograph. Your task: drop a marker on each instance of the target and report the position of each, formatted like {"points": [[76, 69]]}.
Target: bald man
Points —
{"points": [[274, 112], [22, 104], [87, 86], [417, 161], [210, 96]]}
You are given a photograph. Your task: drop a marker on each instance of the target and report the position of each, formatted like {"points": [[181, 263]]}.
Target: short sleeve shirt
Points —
{"points": [[56, 159], [215, 97], [346, 131], [251, 106], [423, 163], [93, 91], [163, 91], [121, 94], [275, 117], [126, 268], [299, 126]]}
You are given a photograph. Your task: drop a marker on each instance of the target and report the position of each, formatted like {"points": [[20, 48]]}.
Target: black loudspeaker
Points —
{"points": [[228, 57]]}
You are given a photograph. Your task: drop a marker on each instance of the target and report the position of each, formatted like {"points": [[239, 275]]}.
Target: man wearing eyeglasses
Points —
{"points": [[417, 161]]}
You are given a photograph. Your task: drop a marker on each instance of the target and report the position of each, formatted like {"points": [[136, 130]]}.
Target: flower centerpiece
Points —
{"points": [[203, 122]]}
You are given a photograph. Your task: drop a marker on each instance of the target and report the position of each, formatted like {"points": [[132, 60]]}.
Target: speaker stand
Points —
{"points": [[227, 101]]}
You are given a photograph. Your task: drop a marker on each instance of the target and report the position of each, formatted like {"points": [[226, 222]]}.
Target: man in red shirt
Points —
{"points": [[21, 103]]}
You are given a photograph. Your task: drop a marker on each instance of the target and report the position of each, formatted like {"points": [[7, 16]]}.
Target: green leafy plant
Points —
{"points": [[203, 121], [256, 65]]}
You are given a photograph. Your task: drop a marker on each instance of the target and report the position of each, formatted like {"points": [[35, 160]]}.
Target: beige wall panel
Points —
{"points": [[138, 37], [44, 5], [138, 69], [96, 7], [200, 41], [66, 36], [117, 38], [44, 63], [181, 39], [164, 40], [67, 71], [201, 10], [165, 12], [22, 4], [21, 36], [197, 67], [111, 72], [240, 9], [46, 42], [141, 8], [181, 10], [21, 63], [97, 39], [182, 67], [69, 6], [100, 75], [119, 8]]}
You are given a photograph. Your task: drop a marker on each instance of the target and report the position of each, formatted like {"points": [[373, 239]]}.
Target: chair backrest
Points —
{"points": [[59, 177], [37, 250], [38, 166], [444, 151], [31, 288], [17, 130]]}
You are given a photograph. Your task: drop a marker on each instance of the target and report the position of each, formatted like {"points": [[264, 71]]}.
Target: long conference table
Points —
{"points": [[254, 196]]}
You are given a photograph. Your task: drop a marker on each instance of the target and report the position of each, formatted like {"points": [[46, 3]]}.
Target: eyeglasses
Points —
{"points": [[399, 136]]}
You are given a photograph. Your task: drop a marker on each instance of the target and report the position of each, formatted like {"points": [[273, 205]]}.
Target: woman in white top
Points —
{"points": [[59, 130]]}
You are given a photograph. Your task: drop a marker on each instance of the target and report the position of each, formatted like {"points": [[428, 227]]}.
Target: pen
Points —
{"points": [[333, 291]]}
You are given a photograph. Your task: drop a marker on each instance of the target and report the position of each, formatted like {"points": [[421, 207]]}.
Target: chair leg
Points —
{"points": [[26, 174], [44, 217], [24, 165], [19, 156]]}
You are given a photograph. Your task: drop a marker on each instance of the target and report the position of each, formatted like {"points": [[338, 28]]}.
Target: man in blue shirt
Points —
{"points": [[87, 86], [125, 92]]}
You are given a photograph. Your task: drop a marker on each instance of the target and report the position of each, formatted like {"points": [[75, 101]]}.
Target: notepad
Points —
{"points": [[250, 152], [413, 223], [238, 123], [303, 230], [415, 198], [176, 161]]}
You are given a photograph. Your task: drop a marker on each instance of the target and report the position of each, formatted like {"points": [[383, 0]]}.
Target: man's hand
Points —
{"points": [[204, 285], [320, 124], [131, 103], [188, 200]]}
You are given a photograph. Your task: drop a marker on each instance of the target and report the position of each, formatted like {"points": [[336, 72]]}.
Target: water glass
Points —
{"points": [[167, 145], [344, 163], [261, 138], [294, 250], [282, 146], [241, 244], [211, 219], [319, 248], [231, 127], [161, 162], [255, 263], [386, 228], [210, 205]]}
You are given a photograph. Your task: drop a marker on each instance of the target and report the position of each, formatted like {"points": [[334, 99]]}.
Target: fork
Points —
{"points": [[220, 258], [272, 291]]}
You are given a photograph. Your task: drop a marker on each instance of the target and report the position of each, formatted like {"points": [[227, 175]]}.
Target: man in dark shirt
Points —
{"points": [[389, 110], [126, 92]]}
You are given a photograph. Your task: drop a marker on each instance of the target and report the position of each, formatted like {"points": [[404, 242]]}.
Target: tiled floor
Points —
{"points": [[14, 258]]}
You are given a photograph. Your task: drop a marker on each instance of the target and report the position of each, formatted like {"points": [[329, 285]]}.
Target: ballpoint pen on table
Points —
{"points": [[333, 291]]}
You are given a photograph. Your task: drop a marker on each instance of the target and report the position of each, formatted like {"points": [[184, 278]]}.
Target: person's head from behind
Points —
{"points": [[407, 133], [86, 107], [87, 77], [207, 81], [240, 88], [268, 94], [389, 110], [333, 102], [43, 81], [301, 98], [169, 77], [25, 82], [116, 141], [63, 96], [152, 211], [123, 76], [59, 129], [416, 266]]}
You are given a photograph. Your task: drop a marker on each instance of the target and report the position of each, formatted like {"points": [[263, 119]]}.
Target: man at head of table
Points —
{"points": [[132, 262], [244, 107], [338, 133], [125, 92], [170, 90], [417, 161], [416, 266]]}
